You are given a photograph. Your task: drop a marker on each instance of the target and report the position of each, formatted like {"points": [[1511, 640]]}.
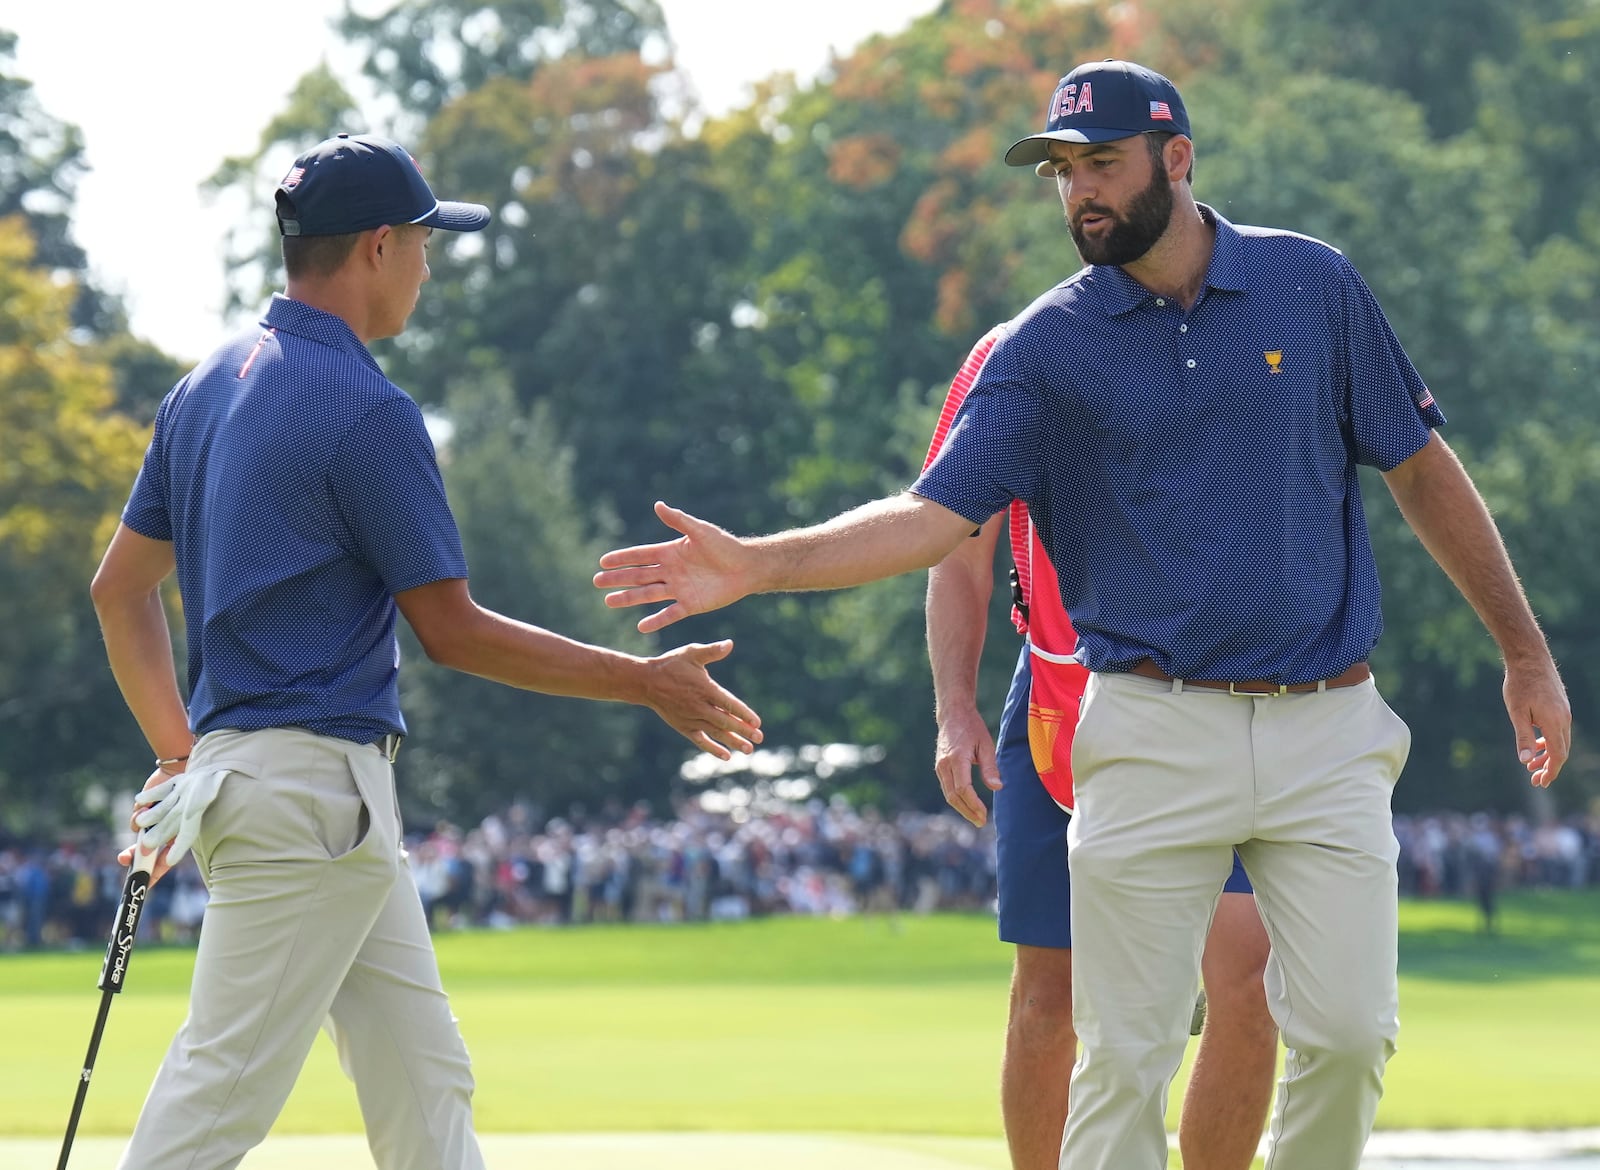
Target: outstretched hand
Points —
{"points": [[706, 568], [692, 703], [1542, 718]]}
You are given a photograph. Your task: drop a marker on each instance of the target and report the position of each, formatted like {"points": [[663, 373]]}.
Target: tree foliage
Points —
{"points": [[66, 460], [532, 548], [427, 53], [41, 160], [755, 316]]}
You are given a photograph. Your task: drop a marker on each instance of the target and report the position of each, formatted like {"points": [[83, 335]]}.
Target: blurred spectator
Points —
{"points": [[776, 857], [1462, 855]]}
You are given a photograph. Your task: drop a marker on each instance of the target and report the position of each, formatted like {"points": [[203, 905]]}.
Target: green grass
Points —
{"points": [[816, 1026], [1498, 1032], [587, 1152]]}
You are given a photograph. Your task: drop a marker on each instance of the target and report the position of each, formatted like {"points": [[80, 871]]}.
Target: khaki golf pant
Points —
{"points": [[1168, 783], [313, 920]]}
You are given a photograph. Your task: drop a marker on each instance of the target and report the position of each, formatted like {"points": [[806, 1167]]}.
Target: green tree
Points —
{"points": [[871, 199], [67, 458], [427, 53], [142, 374], [41, 161], [531, 549], [1425, 49], [318, 106], [1537, 113]]}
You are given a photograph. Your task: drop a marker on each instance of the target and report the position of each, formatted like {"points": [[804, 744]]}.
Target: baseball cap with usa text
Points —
{"points": [[356, 182], [1101, 101]]}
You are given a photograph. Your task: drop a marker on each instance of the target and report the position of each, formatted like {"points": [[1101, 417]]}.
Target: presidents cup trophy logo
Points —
{"points": [[1274, 360]]}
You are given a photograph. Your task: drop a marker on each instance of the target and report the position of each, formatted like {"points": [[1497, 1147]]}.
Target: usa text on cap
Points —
{"points": [[1100, 102]]}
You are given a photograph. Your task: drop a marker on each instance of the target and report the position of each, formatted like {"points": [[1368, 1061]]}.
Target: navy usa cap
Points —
{"points": [[356, 182], [1102, 101]]}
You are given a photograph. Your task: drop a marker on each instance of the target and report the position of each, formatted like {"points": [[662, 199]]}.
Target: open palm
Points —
{"points": [[705, 568]]}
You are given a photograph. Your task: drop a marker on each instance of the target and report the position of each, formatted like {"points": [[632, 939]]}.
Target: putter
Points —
{"points": [[124, 929]]}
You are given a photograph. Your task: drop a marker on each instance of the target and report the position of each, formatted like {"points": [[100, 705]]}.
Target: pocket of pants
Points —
{"points": [[1091, 714], [339, 815], [1400, 732]]}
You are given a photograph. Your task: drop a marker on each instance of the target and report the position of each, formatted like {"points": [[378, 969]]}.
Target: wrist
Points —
{"points": [[946, 705], [765, 566], [636, 681], [172, 765], [1525, 658]]}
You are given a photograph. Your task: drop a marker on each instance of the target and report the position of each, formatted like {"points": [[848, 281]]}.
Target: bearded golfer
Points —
{"points": [[294, 489], [1184, 419]]}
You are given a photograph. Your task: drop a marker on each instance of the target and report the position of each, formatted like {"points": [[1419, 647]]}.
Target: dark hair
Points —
{"points": [[1157, 141], [310, 256]]}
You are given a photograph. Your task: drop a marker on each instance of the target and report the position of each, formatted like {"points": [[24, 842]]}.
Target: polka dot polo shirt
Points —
{"points": [[1193, 474], [300, 490]]}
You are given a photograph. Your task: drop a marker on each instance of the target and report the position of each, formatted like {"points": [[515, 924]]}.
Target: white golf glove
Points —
{"points": [[176, 806]]}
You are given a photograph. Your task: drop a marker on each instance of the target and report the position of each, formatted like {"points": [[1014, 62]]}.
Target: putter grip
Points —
{"points": [[126, 926]]}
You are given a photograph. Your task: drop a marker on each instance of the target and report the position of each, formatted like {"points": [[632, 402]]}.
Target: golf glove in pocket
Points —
{"points": [[179, 803]]}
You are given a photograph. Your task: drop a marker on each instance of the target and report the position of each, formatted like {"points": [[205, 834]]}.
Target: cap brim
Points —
{"points": [[1035, 149], [457, 217]]}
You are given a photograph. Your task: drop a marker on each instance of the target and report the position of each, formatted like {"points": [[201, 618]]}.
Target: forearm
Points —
{"points": [[139, 648], [954, 647], [1444, 509], [495, 647], [959, 591], [884, 538]]}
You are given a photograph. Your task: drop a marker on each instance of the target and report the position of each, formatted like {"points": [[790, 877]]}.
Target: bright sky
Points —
{"points": [[164, 90]]}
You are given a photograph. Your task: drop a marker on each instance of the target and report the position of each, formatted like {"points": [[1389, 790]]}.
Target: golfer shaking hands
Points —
{"points": [[1183, 418], [294, 490]]}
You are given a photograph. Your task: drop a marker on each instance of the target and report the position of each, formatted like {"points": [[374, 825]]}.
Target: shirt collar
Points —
{"points": [[287, 315], [1120, 293]]}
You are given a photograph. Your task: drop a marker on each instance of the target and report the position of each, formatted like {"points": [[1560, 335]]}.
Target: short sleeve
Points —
{"points": [[991, 455], [1392, 413], [390, 497], [960, 387], [147, 511]]}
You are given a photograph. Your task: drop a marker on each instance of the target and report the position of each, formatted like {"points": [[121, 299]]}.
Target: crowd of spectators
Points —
{"points": [[1476, 855], [815, 857]]}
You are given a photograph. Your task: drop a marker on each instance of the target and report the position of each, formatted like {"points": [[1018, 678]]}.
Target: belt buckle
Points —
{"points": [[1281, 689]]}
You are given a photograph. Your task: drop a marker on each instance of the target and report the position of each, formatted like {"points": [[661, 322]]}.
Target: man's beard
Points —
{"points": [[1132, 234]]}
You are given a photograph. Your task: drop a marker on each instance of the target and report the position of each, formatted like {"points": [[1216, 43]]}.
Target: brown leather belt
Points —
{"points": [[1358, 673]]}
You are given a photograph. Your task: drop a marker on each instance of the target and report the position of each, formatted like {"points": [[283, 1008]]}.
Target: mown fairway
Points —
{"points": [[784, 1026]]}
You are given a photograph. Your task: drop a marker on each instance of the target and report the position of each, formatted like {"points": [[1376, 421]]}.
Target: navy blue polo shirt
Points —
{"points": [[1193, 474], [300, 490]]}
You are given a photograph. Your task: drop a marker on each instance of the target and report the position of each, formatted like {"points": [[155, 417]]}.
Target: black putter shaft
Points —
{"points": [[124, 929]]}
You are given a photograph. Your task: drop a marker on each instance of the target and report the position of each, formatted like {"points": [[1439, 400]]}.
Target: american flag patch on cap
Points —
{"points": [[1160, 112], [292, 179]]}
